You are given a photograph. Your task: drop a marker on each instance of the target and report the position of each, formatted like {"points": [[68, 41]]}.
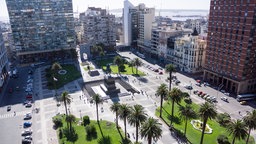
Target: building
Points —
{"points": [[98, 27], [137, 25], [189, 53], [4, 64], [41, 29], [231, 48]]}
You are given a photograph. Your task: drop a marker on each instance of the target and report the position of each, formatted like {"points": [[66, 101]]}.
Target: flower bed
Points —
{"points": [[198, 125]]}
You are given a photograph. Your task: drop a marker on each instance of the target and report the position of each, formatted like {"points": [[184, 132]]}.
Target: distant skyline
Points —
{"points": [[81, 5]]}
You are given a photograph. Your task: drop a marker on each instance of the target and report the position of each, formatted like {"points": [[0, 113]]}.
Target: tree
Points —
{"points": [[124, 112], [118, 61], [70, 119], [175, 95], [162, 91], [131, 64], [97, 100], [171, 69], [137, 63], [137, 117], [151, 129], [206, 111], [102, 54], [55, 67], [115, 109], [65, 97], [250, 122], [237, 129], [186, 113]]}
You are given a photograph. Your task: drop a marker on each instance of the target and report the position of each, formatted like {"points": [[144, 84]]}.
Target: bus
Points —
{"points": [[245, 97]]}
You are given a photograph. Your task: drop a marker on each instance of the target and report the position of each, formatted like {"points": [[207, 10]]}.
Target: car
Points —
{"points": [[199, 93], [27, 116], [29, 97], [28, 90], [26, 132], [206, 84], [27, 124], [227, 94], [27, 101], [28, 105], [9, 108], [223, 91], [26, 141], [195, 91], [29, 137], [156, 70], [198, 84], [205, 97], [30, 72], [160, 73], [189, 87], [243, 102], [224, 99]]}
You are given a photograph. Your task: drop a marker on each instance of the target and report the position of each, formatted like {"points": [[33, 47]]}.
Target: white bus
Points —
{"points": [[245, 97]]}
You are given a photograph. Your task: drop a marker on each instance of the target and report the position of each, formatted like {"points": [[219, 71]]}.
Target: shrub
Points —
{"points": [[222, 139], [90, 132], [122, 68], [86, 120], [223, 119], [57, 121], [60, 134]]}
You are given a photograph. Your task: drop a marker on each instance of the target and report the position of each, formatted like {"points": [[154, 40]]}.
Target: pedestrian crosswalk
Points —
{"points": [[13, 114]]}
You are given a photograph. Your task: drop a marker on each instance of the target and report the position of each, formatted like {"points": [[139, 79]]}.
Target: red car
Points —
{"points": [[160, 72], [29, 96]]}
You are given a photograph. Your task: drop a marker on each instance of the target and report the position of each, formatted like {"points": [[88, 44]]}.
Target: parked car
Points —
{"points": [[27, 116], [28, 96], [224, 99], [189, 87], [227, 94], [27, 124], [9, 108], [26, 132], [198, 84], [223, 91], [243, 102], [28, 105], [156, 70], [195, 91], [29, 137], [160, 72], [26, 141], [27, 101]]}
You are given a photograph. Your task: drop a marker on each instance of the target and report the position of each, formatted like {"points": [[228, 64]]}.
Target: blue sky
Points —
{"points": [[81, 5]]}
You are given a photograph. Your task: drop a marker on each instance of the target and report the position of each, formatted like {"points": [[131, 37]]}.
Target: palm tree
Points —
{"points": [[171, 69], [137, 116], [124, 112], [137, 63], [115, 108], [237, 129], [162, 91], [118, 61], [97, 99], [186, 113], [131, 64], [151, 129], [55, 67], [250, 122], [70, 119], [206, 111], [65, 97], [175, 95]]}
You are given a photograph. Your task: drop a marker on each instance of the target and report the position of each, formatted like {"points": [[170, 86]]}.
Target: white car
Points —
{"points": [[224, 99], [227, 94], [26, 132], [27, 116], [223, 91]]}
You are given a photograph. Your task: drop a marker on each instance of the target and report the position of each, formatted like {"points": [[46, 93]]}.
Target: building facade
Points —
{"points": [[41, 27], [98, 27], [4, 64], [231, 45]]}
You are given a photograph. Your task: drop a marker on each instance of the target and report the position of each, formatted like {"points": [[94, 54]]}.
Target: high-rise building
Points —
{"points": [[137, 24], [231, 47], [98, 27], [41, 28], [4, 64]]}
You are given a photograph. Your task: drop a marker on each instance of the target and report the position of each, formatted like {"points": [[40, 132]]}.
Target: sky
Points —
{"points": [[81, 5]]}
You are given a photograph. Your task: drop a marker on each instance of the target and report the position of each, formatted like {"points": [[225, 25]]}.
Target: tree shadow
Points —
{"points": [[126, 141], [174, 119], [105, 140], [118, 129], [100, 129], [71, 136]]}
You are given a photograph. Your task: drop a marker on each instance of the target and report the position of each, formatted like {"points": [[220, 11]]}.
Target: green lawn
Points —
{"points": [[108, 129], [71, 75], [194, 135]]}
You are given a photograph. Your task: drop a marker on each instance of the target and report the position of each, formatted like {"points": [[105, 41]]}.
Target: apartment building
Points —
{"points": [[98, 27], [231, 48], [4, 64], [41, 28]]}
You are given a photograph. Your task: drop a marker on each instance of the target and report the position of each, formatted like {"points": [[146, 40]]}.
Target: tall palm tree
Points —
{"points": [[176, 96], [70, 119], [170, 69], [206, 111], [131, 64], [118, 61], [97, 99], [237, 129], [162, 91], [250, 122], [137, 63], [65, 97], [124, 112], [151, 129], [115, 108], [186, 113], [137, 117]]}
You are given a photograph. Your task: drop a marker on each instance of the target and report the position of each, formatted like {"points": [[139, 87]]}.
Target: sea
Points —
{"points": [[180, 15]]}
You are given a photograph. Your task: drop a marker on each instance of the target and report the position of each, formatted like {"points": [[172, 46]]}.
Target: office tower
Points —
{"points": [[4, 65], [231, 48], [98, 27], [41, 28], [137, 24]]}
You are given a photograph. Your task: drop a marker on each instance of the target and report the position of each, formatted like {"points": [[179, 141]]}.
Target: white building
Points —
{"points": [[189, 53], [137, 24], [98, 27], [4, 65]]}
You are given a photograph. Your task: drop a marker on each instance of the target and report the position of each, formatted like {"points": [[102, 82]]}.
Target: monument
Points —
{"points": [[110, 86]]}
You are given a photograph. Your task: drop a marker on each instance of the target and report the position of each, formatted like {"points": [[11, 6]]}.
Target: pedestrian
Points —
{"points": [[14, 113]]}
